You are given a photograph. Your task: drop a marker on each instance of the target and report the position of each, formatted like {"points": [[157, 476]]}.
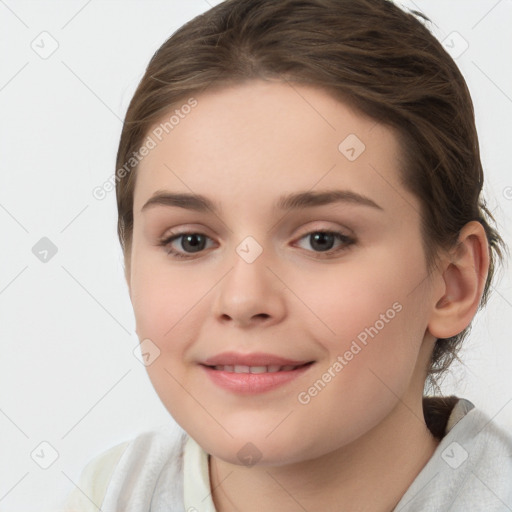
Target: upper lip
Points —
{"points": [[254, 359]]}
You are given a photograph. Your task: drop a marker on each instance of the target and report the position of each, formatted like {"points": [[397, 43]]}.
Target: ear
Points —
{"points": [[464, 272]]}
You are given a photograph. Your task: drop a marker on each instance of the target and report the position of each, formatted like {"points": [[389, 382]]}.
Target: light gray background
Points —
{"points": [[68, 374]]}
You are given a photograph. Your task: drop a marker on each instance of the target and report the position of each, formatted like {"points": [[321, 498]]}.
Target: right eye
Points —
{"points": [[191, 243]]}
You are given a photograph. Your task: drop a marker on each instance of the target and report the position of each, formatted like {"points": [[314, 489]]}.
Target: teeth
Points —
{"points": [[254, 369], [258, 369]]}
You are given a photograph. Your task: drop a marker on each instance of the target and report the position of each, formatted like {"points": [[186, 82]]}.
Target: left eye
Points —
{"points": [[323, 241]]}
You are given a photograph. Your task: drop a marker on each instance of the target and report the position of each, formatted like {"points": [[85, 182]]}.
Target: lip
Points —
{"points": [[252, 383], [254, 359]]}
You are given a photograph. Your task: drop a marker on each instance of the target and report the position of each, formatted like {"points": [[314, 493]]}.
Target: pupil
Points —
{"points": [[319, 239], [192, 240]]}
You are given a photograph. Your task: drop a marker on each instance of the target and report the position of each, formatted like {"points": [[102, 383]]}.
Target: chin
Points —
{"points": [[256, 449]]}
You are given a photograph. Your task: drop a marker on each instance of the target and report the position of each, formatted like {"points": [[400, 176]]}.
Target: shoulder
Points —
{"points": [[93, 481], [141, 461], [485, 443], [471, 468]]}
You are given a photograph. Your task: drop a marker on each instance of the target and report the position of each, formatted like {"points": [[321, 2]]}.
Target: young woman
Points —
{"points": [[299, 195]]}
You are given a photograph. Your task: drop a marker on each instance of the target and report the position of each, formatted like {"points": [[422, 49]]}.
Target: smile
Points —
{"points": [[256, 369], [251, 380]]}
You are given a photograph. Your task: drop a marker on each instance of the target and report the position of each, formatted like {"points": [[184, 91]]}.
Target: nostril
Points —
{"points": [[262, 315]]}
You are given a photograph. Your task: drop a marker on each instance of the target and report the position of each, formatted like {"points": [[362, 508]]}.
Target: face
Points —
{"points": [[287, 309]]}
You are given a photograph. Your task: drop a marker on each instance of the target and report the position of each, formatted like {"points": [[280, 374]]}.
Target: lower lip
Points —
{"points": [[253, 383]]}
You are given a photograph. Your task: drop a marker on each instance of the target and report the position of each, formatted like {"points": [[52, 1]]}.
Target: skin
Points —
{"points": [[361, 440]]}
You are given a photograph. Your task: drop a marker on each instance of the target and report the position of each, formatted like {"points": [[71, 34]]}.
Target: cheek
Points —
{"points": [[162, 299], [371, 359], [372, 315], [165, 307]]}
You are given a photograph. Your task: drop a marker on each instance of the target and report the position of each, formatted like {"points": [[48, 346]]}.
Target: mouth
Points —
{"points": [[258, 369], [254, 378]]}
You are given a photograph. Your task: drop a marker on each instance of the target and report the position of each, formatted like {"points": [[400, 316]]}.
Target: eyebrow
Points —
{"points": [[293, 201]]}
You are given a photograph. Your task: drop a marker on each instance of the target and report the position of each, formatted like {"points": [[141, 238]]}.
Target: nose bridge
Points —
{"points": [[250, 291]]}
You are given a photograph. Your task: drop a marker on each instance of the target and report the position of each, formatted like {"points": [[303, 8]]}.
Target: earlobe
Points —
{"points": [[462, 283]]}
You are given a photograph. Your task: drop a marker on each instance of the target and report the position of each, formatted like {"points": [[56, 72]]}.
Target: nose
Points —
{"points": [[250, 294]]}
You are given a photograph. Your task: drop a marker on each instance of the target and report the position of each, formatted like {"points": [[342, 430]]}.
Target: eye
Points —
{"points": [[185, 245], [190, 243], [323, 241]]}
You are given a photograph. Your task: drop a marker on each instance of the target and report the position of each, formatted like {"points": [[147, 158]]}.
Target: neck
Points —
{"points": [[370, 474]]}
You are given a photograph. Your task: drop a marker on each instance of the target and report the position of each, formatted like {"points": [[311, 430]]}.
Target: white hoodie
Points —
{"points": [[166, 471]]}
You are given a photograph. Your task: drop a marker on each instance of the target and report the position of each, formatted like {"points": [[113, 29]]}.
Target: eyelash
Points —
{"points": [[347, 241]]}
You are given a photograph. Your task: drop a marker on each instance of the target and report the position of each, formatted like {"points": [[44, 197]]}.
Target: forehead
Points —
{"points": [[257, 140]]}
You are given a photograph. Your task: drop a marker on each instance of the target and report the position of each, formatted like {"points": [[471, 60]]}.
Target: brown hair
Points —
{"points": [[368, 53]]}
